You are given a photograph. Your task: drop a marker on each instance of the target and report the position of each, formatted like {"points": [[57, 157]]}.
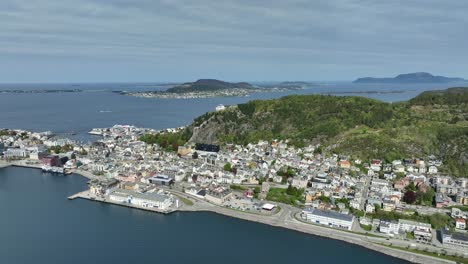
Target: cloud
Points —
{"points": [[360, 35]]}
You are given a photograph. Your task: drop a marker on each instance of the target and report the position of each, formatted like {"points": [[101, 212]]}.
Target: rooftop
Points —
{"points": [[329, 214]]}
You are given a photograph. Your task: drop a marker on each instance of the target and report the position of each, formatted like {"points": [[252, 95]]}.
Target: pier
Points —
{"points": [[89, 196]]}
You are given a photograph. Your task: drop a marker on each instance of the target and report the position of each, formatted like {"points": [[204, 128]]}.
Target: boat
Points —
{"points": [[51, 169], [96, 131]]}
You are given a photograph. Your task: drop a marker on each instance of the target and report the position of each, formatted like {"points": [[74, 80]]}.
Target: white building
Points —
{"points": [[220, 107], [328, 218], [146, 200], [16, 153], [460, 223], [403, 226], [388, 228], [454, 239], [410, 226], [299, 183], [370, 208]]}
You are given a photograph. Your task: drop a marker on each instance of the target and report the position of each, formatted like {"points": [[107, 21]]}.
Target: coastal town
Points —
{"points": [[407, 204]]}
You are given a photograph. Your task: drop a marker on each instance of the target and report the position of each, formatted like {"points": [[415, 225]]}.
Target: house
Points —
{"points": [[399, 168], [457, 213], [200, 193], [462, 197], [460, 223], [356, 204], [299, 183], [442, 200], [345, 164], [432, 170], [370, 208], [375, 167], [365, 221], [388, 205], [277, 179], [401, 184], [328, 218], [422, 169]]}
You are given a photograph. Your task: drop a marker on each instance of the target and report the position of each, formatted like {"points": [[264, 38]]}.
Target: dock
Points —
{"points": [[89, 196], [82, 194]]}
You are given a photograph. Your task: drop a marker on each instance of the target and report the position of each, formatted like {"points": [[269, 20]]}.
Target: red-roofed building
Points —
{"points": [[460, 223], [345, 164], [50, 160]]}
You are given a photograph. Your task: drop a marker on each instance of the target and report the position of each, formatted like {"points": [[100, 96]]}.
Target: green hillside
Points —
{"points": [[433, 123]]}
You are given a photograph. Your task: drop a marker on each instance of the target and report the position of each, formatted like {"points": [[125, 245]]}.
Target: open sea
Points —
{"points": [[38, 224]]}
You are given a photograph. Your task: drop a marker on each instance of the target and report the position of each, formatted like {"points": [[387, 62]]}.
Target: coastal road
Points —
{"points": [[286, 218]]}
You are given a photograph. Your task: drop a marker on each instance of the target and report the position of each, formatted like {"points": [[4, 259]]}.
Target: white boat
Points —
{"points": [[46, 168], [96, 131]]}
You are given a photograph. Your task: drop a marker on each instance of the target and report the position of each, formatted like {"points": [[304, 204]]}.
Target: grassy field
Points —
{"points": [[281, 195], [185, 200]]}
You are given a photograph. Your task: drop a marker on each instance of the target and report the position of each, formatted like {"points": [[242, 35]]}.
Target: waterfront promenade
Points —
{"points": [[26, 164]]}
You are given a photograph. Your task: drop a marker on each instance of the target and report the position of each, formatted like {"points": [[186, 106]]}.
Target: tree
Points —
{"points": [[411, 187], [425, 198], [409, 197], [439, 220], [195, 155], [73, 156], [291, 190], [227, 167], [318, 150]]}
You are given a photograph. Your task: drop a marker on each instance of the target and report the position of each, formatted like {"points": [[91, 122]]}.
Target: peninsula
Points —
{"points": [[417, 77]]}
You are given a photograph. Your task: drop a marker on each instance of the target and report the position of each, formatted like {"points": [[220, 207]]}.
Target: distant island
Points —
{"points": [[42, 91], [205, 88], [417, 77]]}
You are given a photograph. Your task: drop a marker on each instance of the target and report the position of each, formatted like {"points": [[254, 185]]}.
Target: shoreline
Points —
{"points": [[291, 224], [296, 226]]}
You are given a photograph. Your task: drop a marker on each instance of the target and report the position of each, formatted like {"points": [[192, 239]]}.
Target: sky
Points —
{"points": [[238, 40]]}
